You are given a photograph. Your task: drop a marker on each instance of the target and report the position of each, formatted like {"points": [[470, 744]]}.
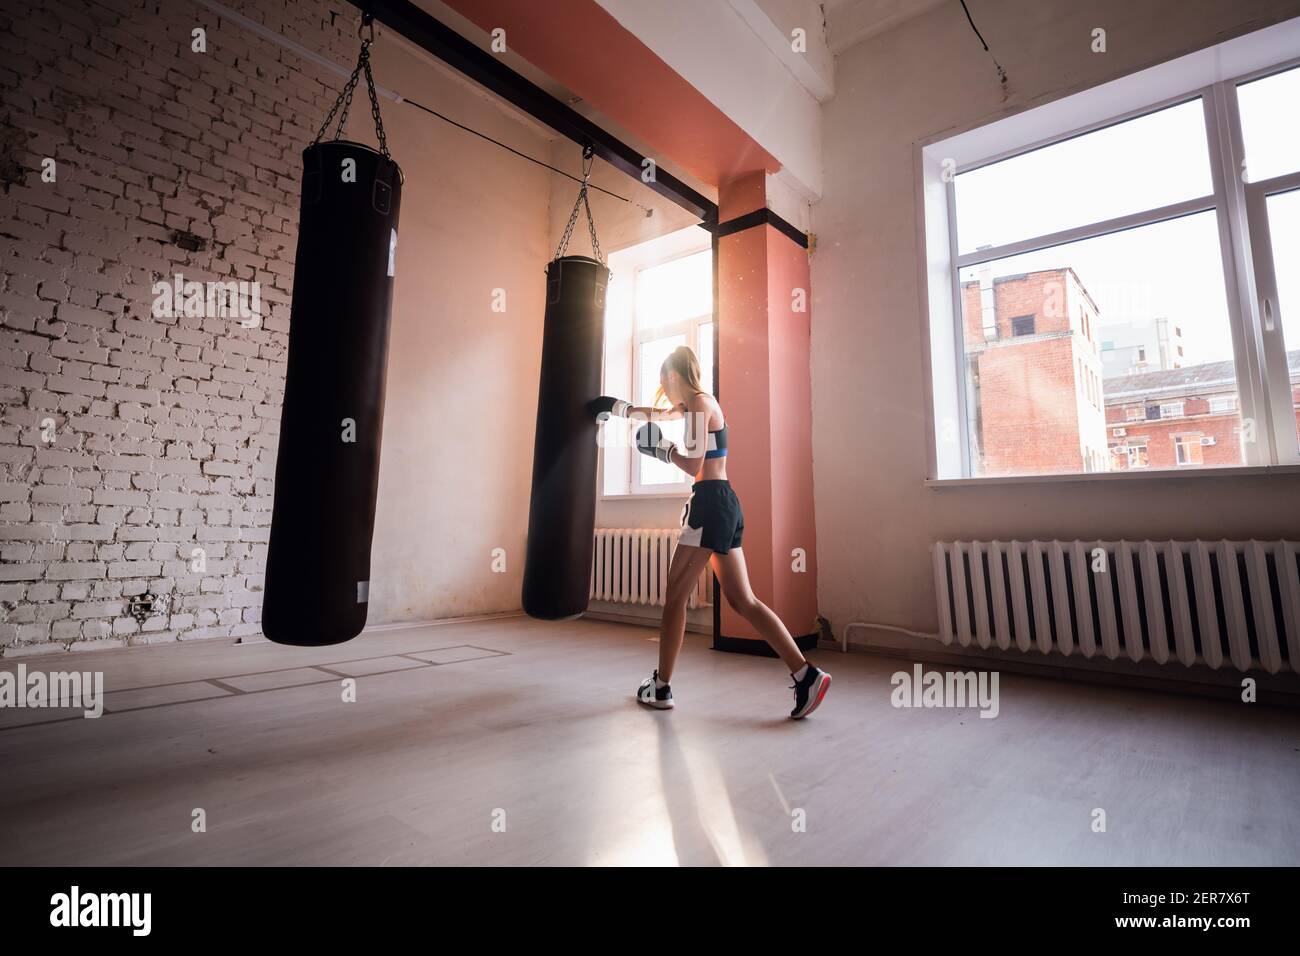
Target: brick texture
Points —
{"points": [[164, 430], [1039, 403]]}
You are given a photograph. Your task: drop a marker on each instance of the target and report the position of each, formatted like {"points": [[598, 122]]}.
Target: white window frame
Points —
{"points": [[1212, 75], [1173, 409]]}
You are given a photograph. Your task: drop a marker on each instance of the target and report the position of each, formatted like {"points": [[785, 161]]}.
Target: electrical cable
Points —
{"points": [[1002, 74], [511, 149], [328, 64]]}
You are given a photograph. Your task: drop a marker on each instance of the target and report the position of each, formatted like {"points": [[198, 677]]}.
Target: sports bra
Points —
{"points": [[717, 444]]}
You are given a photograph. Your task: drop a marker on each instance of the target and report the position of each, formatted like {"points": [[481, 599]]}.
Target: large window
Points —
{"points": [[674, 306], [661, 298], [1116, 268]]}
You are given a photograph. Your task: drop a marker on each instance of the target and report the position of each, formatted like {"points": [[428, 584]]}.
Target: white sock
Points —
{"points": [[799, 674], [660, 684]]}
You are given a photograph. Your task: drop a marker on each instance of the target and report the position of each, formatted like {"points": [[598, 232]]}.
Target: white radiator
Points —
{"points": [[630, 566], [1218, 603]]}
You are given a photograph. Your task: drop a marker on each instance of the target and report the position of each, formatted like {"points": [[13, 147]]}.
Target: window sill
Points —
{"points": [[685, 492], [1164, 474]]}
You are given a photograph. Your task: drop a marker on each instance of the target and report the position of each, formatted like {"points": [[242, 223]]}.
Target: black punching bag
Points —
{"points": [[327, 472], [562, 516]]}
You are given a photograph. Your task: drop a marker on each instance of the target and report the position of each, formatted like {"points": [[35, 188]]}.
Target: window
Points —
{"points": [[1133, 153], [1103, 214], [1280, 216], [674, 306], [1271, 136], [1188, 450], [660, 297]]}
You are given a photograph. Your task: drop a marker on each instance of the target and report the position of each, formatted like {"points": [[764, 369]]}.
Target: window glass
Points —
{"points": [[1027, 413], [675, 290], [1284, 232], [1270, 125], [652, 470], [1143, 163]]}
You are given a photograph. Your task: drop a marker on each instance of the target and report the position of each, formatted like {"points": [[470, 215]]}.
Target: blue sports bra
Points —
{"points": [[717, 444]]}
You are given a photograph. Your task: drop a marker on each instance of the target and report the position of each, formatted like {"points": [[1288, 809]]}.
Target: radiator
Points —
{"points": [[1218, 603], [630, 566]]}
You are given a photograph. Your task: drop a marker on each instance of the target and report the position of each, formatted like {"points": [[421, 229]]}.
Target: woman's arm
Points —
{"points": [[652, 413], [650, 440], [604, 407]]}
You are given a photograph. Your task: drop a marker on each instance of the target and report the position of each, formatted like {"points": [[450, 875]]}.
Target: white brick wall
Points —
{"points": [[165, 428]]}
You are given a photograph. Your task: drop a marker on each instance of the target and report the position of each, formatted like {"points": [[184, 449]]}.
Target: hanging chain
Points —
{"points": [[588, 158], [345, 95], [374, 107]]}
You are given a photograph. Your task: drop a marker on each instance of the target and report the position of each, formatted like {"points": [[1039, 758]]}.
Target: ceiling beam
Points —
{"points": [[425, 31]]}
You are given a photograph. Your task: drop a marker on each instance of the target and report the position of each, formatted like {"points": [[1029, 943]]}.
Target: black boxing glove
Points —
{"points": [[650, 441], [604, 407]]}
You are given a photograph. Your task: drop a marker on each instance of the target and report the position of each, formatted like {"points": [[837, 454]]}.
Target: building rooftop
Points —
{"points": [[1203, 377]]}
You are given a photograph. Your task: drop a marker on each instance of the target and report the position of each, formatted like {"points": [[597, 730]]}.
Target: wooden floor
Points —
{"points": [[533, 724]]}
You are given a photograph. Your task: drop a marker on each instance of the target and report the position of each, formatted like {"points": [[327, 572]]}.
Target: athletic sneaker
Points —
{"points": [[808, 693], [660, 698]]}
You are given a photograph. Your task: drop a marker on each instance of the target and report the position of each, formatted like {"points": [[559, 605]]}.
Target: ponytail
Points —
{"points": [[682, 361]]}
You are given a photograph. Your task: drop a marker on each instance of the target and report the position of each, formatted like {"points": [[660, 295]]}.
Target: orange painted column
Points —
{"points": [[764, 385]]}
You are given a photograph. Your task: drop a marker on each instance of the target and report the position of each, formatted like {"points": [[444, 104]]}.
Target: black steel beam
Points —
{"points": [[425, 31], [760, 217]]}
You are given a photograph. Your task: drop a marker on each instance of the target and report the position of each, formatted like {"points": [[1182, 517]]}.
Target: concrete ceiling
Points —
{"points": [[849, 22]]}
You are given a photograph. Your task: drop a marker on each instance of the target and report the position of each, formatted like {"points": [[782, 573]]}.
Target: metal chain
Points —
{"points": [[582, 203], [374, 107], [345, 97]]}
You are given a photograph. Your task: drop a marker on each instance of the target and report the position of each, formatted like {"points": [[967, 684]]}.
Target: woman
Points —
{"points": [[712, 525]]}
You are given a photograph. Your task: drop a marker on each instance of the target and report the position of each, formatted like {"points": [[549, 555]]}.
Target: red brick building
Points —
{"points": [[1033, 374], [1180, 418], [1038, 403]]}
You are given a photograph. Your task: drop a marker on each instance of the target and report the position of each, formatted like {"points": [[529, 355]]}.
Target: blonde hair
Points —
{"points": [[682, 361]]}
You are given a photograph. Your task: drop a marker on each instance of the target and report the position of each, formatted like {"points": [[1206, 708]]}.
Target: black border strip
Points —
{"points": [[754, 645], [717, 393], [761, 217]]}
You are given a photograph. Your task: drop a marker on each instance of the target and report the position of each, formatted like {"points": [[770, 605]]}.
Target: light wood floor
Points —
{"points": [[542, 732]]}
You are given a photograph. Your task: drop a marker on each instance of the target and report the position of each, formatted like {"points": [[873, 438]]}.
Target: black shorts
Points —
{"points": [[712, 518]]}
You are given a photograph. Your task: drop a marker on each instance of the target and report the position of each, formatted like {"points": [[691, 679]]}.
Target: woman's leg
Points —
{"points": [[688, 564], [733, 575]]}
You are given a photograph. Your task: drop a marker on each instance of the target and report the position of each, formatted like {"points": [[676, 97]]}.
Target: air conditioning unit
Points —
{"points": [[1208, 440], [1121, 432]]}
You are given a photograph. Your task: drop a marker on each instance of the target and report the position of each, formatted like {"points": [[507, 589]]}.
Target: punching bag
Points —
{"points": [[562, 514], [327, 471]]}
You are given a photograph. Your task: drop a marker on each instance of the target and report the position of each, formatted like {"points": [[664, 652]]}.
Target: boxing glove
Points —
{"points": [[605, 407], [651, 441]]}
